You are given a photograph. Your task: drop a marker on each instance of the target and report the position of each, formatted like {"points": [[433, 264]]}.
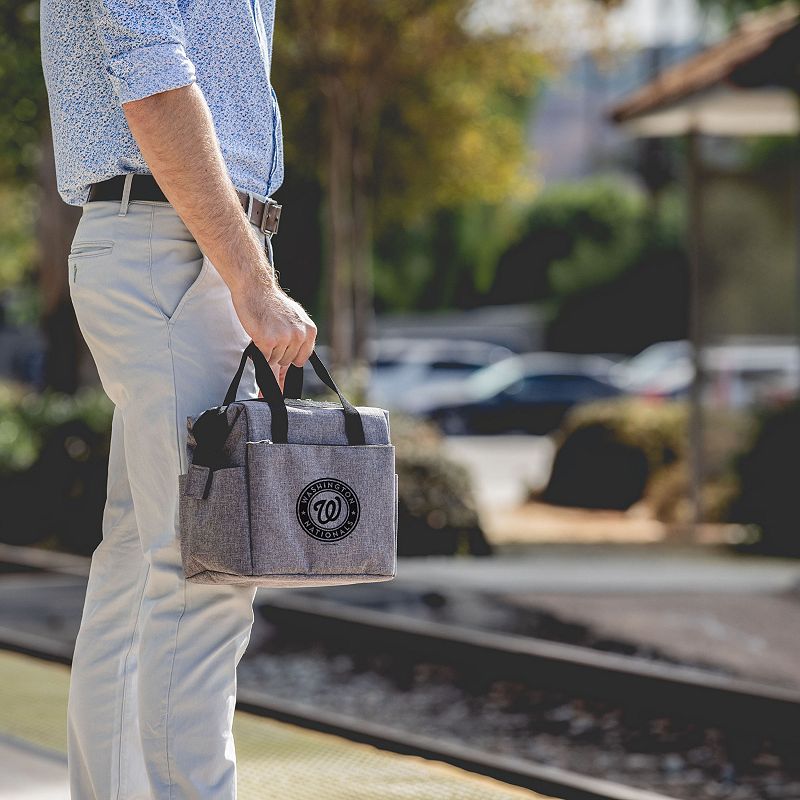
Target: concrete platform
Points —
{"points": [[293, 762], [605, 568], [30, 772]]}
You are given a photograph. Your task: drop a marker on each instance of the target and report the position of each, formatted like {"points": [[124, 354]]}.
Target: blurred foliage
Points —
{"points": [[400, 111], [595, 233], [53, 466], [608, 262], [27, 417], [734, 8], [437, 513], [767, 473], [17, 242], [668, 495], [608, 451], [768, 151], [449, 98], [23, 101], [447, 260], [614, 453], [658, 428]]}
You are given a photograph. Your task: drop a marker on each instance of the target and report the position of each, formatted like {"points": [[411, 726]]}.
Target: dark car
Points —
{"points": [[528, 393]]}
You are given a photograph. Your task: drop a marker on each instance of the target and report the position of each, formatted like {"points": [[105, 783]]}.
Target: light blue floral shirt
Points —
{"points": [[99, 54]]}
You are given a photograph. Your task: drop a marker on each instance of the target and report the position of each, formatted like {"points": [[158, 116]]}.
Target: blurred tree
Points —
{"points": [[400, 108], [26, 161], [733, 8], [23, 103]]}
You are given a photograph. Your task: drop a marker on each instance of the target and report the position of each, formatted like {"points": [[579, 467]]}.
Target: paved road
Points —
{"points": [[503, 467]]}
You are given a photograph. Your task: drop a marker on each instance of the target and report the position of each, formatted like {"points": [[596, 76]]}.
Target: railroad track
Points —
{"points": [[548, 664], [700, 694]]}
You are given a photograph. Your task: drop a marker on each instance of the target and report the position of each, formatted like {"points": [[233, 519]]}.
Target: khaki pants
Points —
{"points": [[153, 683]]}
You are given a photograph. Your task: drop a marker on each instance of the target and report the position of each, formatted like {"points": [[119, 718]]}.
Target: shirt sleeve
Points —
{"points": [[144, 46]]}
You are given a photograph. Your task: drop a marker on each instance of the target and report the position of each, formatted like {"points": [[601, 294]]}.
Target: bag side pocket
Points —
{"points": [[214, 530]]}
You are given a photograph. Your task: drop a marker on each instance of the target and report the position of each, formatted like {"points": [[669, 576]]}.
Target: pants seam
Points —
{"points": [[125, 682], [183, 608], [169, 691], [150, 261]]}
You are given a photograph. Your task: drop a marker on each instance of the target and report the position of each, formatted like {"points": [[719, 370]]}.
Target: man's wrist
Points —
{"points": [[244, 273]]}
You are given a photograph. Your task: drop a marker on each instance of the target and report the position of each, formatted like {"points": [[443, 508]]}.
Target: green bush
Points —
{"points": [[767, 473], [437, 513], [53, 466], [27, 418], [609, 451], [613, 453]]}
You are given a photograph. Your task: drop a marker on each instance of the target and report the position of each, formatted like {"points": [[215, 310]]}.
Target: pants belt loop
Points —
{"points": [[126, 193]]}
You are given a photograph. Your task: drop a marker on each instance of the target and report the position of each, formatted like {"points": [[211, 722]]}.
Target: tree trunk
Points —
{"points": [[363, 192], [365, 136], [56, 225], [340, 221]]}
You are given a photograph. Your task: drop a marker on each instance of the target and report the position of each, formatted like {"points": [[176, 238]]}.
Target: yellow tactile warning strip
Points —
{"points": [[286, 760]]}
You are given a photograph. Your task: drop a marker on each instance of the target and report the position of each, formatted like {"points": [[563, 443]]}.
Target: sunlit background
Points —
{"points": [[558, 240]]}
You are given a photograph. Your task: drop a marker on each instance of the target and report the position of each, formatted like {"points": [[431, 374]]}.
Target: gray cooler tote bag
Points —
{"points": [[282, 491]]}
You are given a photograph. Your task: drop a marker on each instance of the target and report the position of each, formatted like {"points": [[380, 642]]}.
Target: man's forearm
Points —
{"points": [[175, 133]]}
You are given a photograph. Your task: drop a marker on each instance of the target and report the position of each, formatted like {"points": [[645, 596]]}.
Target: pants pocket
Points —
{"points": [[86, 250], [91, 249], [177, 265]]}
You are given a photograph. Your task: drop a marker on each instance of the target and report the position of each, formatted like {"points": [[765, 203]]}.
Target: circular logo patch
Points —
{"points": [[328, 510]]}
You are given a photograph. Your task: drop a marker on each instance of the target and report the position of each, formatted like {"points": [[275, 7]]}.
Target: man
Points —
{"points": [[162, 111]]}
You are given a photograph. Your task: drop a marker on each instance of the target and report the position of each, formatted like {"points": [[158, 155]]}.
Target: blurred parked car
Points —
{"points": [[662, 370], [738, 372], [402, 368], [528, 393], [742, 374]]}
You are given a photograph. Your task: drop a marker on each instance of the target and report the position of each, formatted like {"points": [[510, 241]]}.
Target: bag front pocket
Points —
{"points": [[322, 509]]}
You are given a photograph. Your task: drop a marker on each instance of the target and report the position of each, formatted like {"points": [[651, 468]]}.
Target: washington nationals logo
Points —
{"points": [[328, 510]]}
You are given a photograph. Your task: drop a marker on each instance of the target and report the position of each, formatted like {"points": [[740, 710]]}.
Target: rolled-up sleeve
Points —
{"points": [[144, 46]]}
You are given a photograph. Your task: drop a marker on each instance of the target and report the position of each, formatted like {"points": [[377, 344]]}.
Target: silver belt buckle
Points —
{"points": [[272, 213]]}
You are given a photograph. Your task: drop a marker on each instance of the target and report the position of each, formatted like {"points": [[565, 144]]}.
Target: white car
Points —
{"points": [[404, 368], [738, 372]]}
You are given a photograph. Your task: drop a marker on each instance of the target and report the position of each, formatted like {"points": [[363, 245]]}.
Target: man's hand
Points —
{"points": [[285, 332], [175, 133]]}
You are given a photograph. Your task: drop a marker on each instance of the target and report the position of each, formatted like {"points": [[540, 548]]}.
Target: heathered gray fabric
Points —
{"points": [[315, 511]]}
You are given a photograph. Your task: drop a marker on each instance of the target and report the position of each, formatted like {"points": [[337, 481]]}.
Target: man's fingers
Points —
{"points": [[304, 352], [280, 373]]}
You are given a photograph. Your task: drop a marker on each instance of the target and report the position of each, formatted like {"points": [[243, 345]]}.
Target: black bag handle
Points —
{"points": [[293, 382], [268, 383]]}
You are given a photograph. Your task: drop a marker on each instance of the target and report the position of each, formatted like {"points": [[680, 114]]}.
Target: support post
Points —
{"points": [[695, 240]]}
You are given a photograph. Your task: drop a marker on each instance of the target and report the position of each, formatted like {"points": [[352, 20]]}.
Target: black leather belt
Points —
{"points": [[144, 187]]}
